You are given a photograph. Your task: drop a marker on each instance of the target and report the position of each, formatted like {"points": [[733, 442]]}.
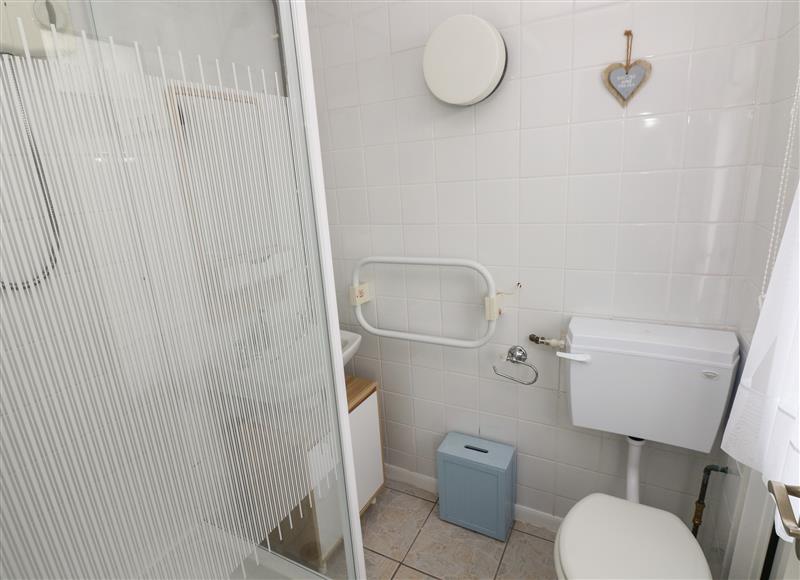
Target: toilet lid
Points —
{"points": [[607, 537]]}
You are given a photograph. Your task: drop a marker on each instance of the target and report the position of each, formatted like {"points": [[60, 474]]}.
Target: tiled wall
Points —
{"points": [[594, 209], [777, 81]]}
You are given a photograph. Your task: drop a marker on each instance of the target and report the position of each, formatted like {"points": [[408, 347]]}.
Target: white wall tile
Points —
{"points": [[461, 420], [371, 31], [500, 13], [408, 22], [398, 408], [384, 205], [541, 245], [415, 117], [408, 78], [598, 35], [427, 442], [353, 205], [497, 155], [654, 142], [541, 288], [641, 295], [720, 23], [644, 248], [707, 141], [591, 100], [345, 126], [596, 147], [349, 166], [497, 428], [456, 202], [732, 81], [536, 472], [497, 201], [501, 110], [382, 165], [704, 248], [546, 47], [537, 405], [542, 200], [429, 415], [453, 121], [545, 9], [593, 198], [337, 44], [544, 152], [455, 158], [400, 437], [378, 123], [375, 81], [497, 245], [545, 100], [588, 292], [662, 28], [665, 91], [419, 203], [341, 86], [387, 240], [537, 439], [712, 195], [416, 162], [458, 241], [698, 299], [591, 246], [421, 241], [649, 196]]}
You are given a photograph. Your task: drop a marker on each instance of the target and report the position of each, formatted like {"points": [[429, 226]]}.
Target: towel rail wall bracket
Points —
{"points": [[363, 292]]}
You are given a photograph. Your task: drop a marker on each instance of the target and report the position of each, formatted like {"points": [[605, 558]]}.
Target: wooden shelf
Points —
{"points": [[358, 390]]}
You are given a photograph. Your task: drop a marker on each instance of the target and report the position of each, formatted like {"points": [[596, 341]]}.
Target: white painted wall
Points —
{"points": [[596, 210]]}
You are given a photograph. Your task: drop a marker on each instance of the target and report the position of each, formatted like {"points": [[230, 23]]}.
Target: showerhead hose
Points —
{"points": [[55, 244]]}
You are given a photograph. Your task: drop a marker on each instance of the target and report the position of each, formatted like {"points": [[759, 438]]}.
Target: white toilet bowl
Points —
{"points": [[607, 537]]}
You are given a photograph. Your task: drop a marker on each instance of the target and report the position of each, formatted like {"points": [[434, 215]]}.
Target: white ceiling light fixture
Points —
{"points": [[464, 61]]}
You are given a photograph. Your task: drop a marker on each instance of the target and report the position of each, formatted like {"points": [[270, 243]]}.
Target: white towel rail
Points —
{"points": [[361, 293]]}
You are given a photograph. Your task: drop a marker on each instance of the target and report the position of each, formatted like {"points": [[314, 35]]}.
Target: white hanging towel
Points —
{"points": [[762, 431]]}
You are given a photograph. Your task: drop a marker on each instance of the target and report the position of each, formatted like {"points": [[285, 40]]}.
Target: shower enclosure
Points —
{"points": [[171, 405]]}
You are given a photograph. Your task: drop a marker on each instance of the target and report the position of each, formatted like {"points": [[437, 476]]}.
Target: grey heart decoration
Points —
{"points": [[623, 84]]}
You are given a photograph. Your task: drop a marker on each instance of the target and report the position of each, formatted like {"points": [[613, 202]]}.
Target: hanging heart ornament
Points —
{"points": [[624, 80]]}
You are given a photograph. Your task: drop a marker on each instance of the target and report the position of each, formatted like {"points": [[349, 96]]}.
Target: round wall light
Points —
{"points": [[464, 60]]}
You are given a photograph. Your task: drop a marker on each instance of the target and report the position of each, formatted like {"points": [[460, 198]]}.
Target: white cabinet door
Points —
{"points": [[366, 434]]}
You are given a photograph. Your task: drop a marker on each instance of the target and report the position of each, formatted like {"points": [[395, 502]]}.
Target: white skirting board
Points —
{"points": [[522, 513]]}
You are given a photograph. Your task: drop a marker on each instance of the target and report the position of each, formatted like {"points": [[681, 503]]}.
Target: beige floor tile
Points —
{"points": [[410, 489], [378, 567], [540, 532], [390, 526], [406, 573], [527, 557], [448, 551]]}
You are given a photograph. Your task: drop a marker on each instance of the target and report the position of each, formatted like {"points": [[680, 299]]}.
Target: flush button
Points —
{"points": [[710, 374]]}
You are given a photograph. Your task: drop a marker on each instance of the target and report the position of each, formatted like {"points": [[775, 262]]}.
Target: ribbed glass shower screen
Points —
{"points": [[167, 404]]}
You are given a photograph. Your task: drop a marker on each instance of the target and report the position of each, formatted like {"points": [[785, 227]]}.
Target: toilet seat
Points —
{"points": [[607, 537]]}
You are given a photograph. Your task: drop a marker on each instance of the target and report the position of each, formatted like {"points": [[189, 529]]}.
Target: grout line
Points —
{"points": [[419, 530], [532, 535], [503, 555]]}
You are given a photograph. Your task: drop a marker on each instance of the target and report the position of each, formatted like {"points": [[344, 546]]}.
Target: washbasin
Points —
{"points": [[350, 343]]}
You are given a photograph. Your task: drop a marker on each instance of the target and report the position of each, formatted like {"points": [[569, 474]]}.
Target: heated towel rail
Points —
{"points": [[360, 293]]}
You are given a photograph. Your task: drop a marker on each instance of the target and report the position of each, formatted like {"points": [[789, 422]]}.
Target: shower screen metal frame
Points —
{"points": [[295, 14]]}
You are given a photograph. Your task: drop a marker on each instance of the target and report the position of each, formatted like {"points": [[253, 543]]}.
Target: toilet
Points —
{"points": [[651, 382]]}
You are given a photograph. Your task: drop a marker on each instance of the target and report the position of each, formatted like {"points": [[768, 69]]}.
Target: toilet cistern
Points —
{"points": [[654, 382]]}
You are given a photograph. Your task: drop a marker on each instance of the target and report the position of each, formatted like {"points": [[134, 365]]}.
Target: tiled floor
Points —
{"points": [[404, 539]]}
